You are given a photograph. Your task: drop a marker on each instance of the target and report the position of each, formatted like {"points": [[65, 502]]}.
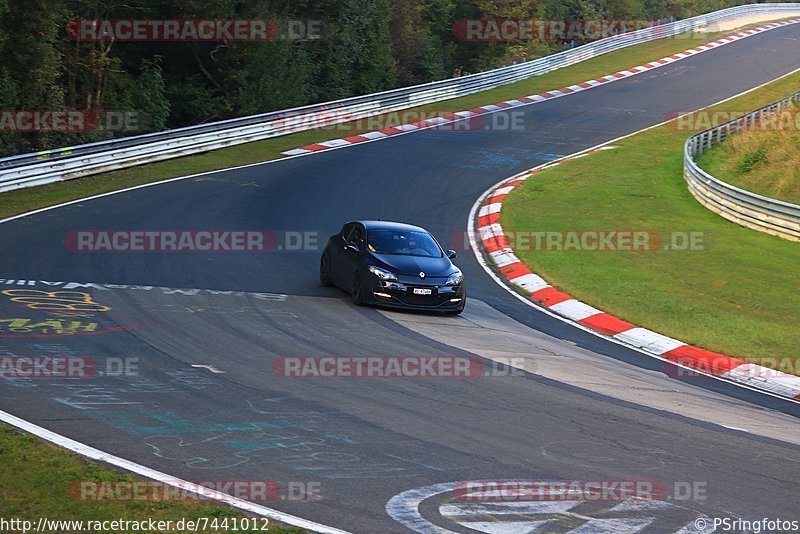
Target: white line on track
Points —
{"points": [[209, 368]]}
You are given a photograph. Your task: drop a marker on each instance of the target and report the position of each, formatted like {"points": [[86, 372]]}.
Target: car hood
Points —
{"points": [[413, 265]]}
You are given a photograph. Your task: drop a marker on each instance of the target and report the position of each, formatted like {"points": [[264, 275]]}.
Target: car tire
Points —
{"points": [[325, 271], [357, 291]]}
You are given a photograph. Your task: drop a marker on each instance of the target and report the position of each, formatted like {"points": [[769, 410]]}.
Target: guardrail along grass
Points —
{"points": [[737, 296], [39, 487], [14, 202], [764, 161]]}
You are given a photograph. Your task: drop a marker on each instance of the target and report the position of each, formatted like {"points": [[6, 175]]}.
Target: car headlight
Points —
{"points": [[383, 274], [455, 279]]}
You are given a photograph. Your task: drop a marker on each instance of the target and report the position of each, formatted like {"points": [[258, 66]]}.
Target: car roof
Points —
{"points": [[389, 225]]}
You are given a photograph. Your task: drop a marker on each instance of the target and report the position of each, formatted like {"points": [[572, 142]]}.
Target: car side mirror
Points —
{"points": [[451, 254], [352, 247]]}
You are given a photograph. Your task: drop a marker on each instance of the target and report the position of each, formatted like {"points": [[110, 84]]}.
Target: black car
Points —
{"points": [[393, 264]]}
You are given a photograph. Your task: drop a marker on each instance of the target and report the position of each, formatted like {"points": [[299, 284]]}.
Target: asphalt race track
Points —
{"points": [[588, 410]]}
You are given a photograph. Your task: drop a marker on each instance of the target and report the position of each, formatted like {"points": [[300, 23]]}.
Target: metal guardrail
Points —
{"points": [[743, 207], [40, 168]]}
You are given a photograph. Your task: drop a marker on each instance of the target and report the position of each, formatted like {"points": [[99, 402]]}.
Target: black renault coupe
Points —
{"points": [[395, 265]]}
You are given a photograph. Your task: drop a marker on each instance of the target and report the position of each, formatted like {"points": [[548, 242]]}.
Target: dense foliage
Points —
{"points": [[366, 46]]}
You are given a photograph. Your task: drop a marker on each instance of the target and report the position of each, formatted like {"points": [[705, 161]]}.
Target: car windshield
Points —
{"points": [[410, 243]]}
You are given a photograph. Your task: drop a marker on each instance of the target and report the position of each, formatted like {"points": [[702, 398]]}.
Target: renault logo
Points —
{"points": [[421, 275]]}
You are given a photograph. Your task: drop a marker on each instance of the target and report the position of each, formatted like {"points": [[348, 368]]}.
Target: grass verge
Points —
{"points": [[20, 201], [36, 478], [737, 295], [766, 161]]}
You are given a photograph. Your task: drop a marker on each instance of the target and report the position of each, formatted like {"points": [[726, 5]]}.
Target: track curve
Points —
{"points": [[367, 440]]}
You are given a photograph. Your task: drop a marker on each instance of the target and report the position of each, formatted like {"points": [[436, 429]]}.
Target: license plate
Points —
{"points": [[422, 291]]}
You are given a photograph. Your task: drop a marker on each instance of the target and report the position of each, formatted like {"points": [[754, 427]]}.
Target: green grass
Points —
{"points": [[765, 161], [739, 296], [36, 476], [23, 200]]}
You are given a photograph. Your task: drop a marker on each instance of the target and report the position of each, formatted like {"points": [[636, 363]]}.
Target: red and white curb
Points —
{"points": [[527, 100], [489, 235]]}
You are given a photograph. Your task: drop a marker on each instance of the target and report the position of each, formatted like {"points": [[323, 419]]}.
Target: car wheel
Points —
{"points": [[325, 271], [357, 292]]}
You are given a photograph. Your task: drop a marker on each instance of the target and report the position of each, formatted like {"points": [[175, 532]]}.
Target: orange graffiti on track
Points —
{"points": [[20, 325], [67, 303]]}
